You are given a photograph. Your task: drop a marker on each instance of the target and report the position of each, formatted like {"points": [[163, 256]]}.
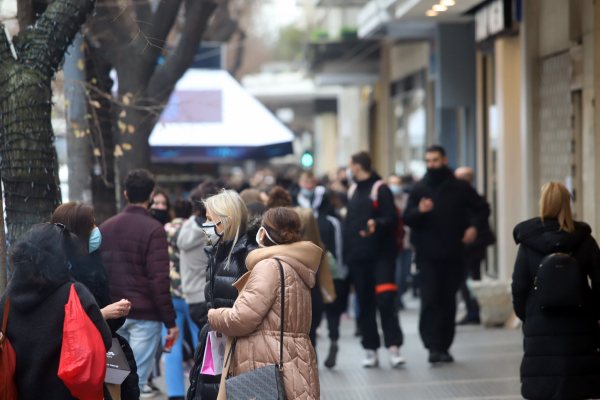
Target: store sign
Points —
{"points": [[492, 19]]}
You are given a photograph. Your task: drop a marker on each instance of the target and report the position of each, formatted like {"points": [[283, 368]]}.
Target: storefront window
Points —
{"points": [[410, 127]]}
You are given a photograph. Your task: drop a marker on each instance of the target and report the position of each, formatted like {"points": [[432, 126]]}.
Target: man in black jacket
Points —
{"points": [[370, 250], [440, 212]]}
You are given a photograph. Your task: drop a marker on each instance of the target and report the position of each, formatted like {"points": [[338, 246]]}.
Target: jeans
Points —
{"points": [[174, 359], [375, 291], [403, 265], [439, 281], [143, 337]]}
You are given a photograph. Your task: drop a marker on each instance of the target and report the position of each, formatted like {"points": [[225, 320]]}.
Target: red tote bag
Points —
{"points": [[83, 357], [8, 365]]}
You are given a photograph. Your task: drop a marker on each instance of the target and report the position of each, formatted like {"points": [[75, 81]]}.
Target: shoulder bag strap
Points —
{"points": [[282, 313], [5, 317]]}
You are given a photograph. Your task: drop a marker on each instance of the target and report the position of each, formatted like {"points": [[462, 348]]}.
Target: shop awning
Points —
{"points": [[211, 117]]}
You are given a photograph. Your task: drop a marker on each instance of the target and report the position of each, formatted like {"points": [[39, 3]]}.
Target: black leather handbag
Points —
{"points": [[264, 383]]}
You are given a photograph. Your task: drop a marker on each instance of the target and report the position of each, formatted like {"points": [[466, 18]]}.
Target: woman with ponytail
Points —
{"points": [[255, 319]]}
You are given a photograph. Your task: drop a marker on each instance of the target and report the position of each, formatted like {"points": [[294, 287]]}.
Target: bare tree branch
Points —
{"points": [[198, 13], [143, 11], [161, 24]]}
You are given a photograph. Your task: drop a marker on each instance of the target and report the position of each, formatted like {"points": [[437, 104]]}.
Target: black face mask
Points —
{"points": [[159, 215], [344, 182], [438, 174]]}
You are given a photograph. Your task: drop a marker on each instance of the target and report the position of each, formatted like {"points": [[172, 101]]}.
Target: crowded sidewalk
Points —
{"points": [[486, 368]]}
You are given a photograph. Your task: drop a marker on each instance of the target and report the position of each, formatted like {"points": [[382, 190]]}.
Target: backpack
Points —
{"points": [[8, 365], [560, 282], [399, 232]]}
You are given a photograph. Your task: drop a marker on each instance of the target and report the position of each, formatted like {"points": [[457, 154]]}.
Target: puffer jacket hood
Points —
{"points": [[303, 257], [256, 319], [26, 296], [546, 237]]}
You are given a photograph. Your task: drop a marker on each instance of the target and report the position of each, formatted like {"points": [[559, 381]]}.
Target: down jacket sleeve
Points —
{"points": [[253, 304], [157, 265], [521, 284], [412, 216]]}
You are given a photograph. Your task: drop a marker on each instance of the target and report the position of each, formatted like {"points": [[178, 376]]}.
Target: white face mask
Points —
{"points": [[262, 228], [210, 230]]}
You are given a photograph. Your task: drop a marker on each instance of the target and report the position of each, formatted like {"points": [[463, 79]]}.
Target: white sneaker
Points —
{"points": [[370, 360], [148, 393], [396, 359]]}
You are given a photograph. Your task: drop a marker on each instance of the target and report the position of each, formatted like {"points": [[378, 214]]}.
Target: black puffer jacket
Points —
{"points": [[562, 346], [89, 270], [220, 293]]}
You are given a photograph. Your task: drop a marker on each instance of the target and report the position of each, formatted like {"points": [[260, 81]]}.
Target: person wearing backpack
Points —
{"points": [[444, 214], [559, 310], [370, 249]]}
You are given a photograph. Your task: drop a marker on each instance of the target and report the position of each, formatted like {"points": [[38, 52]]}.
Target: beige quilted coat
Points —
{"points": [[255, 317]]}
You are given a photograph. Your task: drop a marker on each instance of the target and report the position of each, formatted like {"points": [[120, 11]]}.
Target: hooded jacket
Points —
{"points": [[562, 346], [437, 235], [35, 330], [193, 261], [380, 244], [256, 316]]}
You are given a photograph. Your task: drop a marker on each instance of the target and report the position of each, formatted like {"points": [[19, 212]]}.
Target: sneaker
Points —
{"points": [[446, 357], [333, 349], [470, 320], [370, 360], [396, 359], [148, 393]]}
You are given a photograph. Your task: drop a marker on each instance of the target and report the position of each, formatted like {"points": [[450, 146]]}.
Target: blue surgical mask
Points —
{"points": [[95, 240], [396, 189], [307, 193]]}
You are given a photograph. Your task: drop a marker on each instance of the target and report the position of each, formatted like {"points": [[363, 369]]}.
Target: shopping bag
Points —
{"points": [[117, 367], [8, 364], [82, 364], [214, 354]]}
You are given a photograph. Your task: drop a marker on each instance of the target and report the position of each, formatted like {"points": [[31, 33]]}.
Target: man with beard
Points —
{"points": [[444, 214]]}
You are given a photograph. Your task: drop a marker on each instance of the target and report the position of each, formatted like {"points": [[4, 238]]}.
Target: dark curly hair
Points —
{"points": [[43, 254], [279, 197], [283, 226]]}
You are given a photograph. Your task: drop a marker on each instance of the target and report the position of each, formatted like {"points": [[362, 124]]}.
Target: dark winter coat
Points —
{"points": [[35, 330], [89, 270], [437, 235], [220, 293], [562, 346], [382, 243], [135, 253]]}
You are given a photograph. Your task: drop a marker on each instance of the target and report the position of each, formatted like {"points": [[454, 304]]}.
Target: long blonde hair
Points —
{"points": [[555, 203], [232, 211]]}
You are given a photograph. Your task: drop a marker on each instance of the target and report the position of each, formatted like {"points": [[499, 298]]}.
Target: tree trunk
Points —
{"points": [[79, 145], [103, 174], [26, 137]]}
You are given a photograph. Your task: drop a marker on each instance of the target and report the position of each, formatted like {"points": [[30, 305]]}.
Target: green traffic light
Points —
{"points": [[307, 160]]}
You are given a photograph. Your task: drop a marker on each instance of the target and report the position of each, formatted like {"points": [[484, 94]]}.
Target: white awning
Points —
{"points": [[211, 117]]}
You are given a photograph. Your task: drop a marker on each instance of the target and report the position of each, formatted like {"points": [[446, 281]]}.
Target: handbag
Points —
{"points": [[264, 383]]}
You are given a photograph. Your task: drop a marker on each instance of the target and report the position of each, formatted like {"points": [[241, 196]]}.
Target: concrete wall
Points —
{"points": [[455, 120], [326, 136], [408, 58], [553, 25], [352, 124]]}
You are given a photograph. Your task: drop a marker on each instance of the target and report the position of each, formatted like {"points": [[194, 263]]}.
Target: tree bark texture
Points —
{"points": [[26, 136], [100, 108], [144, 86]]}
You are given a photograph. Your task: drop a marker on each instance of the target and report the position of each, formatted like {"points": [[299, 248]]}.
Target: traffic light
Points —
{"points": [[307, 160]]}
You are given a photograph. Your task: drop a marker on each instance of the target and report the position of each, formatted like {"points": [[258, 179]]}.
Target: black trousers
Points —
{"points": [[335, 310], [317, 313], [375, 290], [439, 281], [473, 259]]}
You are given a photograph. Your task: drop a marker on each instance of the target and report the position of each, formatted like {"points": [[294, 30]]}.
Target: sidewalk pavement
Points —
{"points": [[486, 367]]}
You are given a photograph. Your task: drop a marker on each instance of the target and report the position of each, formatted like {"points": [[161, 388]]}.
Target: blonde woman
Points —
{"points": [[230, 241], [562, 343]]}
